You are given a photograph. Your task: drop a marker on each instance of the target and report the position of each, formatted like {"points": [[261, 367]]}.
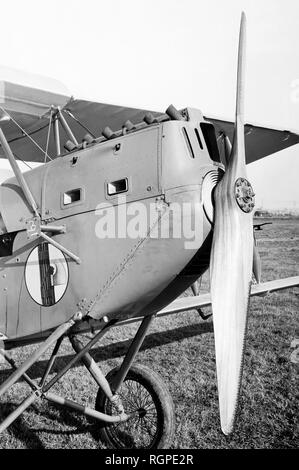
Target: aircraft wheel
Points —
{"points": [[144, 394]]}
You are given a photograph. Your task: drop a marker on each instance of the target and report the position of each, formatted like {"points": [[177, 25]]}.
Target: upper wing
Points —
{"points": [[28, 108], [259, 141], [31, 108]]}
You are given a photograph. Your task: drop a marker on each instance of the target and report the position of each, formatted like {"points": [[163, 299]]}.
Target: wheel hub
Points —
{"points": [[141, 412]]}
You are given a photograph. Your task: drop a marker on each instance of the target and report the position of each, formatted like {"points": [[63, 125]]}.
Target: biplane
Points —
{"points": [[60, 279]]}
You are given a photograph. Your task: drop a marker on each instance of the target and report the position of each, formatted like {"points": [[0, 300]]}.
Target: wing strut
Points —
{"points": [[18, 174], [35, 228]]}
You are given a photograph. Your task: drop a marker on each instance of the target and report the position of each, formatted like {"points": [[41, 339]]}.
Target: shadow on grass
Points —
{"points": [[120, 348], [19, 429], [29, 437]]}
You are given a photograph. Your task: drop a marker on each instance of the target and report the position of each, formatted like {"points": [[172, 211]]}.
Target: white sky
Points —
{"points": [[156, 52]]}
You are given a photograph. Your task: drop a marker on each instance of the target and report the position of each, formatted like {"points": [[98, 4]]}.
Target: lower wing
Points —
{"points": [[204, 300]]}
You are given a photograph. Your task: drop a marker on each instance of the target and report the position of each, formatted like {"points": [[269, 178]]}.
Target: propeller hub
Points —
{"points": [[244, 195]]}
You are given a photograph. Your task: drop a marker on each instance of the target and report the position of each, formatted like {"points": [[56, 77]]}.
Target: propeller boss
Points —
{"points": [[244, 195]]}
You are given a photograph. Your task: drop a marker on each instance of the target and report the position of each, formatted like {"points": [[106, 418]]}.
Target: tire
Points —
{"points": [[144, 392]]}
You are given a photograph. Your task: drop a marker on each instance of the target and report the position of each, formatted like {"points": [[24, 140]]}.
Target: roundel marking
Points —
{"points": [[46, 274]]}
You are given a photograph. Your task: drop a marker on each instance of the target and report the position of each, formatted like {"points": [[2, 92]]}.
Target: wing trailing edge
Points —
{"points": [[260, 141]]}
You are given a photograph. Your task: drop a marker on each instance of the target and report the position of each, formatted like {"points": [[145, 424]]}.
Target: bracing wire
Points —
{"points": [[23, 161], [48, 135], [25, 133], [79, 122]]}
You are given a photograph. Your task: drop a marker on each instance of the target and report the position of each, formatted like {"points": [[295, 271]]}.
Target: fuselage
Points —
{"points": [[135, 214]]}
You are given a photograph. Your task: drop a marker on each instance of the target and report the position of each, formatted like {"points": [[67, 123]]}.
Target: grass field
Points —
{"points": [[181, 349]]}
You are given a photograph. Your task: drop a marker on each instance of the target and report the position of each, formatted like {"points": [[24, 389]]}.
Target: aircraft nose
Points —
{"points": [[185, 158]]}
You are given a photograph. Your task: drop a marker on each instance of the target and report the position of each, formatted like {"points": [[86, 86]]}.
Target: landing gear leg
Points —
{"points": [[146, 400]]}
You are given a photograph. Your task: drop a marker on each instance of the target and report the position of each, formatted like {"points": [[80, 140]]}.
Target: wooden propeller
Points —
{"points": [[232, 261], [257, 263]]}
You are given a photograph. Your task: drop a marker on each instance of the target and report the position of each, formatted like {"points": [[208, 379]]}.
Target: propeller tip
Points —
{"points": [[243, 21], [226, 432], [227, 429]]}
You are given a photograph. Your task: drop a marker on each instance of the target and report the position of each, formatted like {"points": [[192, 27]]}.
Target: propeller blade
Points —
{"points": [[231, 261], [257, 264]]}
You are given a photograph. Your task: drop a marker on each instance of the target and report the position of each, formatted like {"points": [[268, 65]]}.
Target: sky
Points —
{"points": [[152, 53]]}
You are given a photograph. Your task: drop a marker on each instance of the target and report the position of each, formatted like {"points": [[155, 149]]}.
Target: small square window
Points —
{"points": [[71, 196], [117, 187]]}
